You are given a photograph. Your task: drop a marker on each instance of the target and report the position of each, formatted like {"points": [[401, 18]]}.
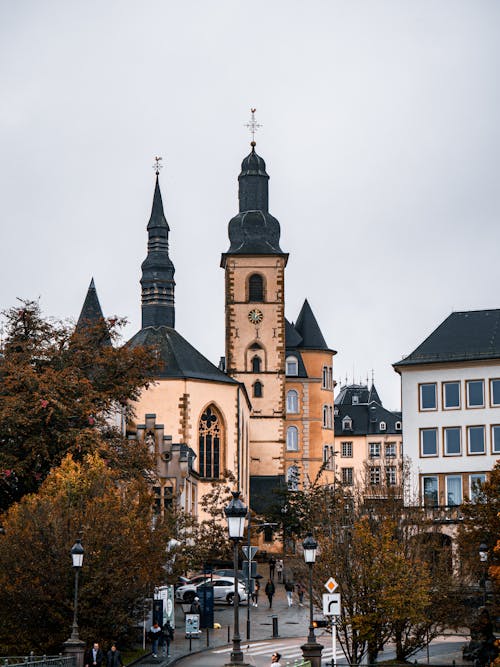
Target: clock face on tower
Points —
{"points": [[255, 316]]}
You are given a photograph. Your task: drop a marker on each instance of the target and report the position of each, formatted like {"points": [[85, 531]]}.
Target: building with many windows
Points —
{"points": [[451, 408], [368, 440]]}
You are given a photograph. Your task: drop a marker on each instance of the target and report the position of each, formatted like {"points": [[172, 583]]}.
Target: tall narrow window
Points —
{"points": [[257, 389], [292, 439], [256, 288], [210, 440], [256, 364], [430, 491], [292, 401]]}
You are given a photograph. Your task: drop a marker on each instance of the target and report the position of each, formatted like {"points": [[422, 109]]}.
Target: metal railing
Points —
{"points": [[33, 660]]}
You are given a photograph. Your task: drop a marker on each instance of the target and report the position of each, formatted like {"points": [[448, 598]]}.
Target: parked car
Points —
{"points": [[229, 574], [223, 588]]}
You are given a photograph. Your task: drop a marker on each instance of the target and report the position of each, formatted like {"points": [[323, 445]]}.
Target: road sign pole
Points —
{"points": [[334, 641]]}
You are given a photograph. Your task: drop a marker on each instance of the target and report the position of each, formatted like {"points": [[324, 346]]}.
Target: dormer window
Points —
{"points": [[398, 426], [347, 424], [292, 366], [355, 400], [383, 426]]}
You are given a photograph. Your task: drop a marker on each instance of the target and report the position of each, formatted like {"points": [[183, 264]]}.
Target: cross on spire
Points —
{"points": [[157, 166], [253, 125]]}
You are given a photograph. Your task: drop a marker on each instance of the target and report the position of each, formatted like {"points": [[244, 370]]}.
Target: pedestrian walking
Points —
{"points": [[154, 636], [168, 637], [94, 656], [272, 566], [301, 589], [114, 657], [255, 594], [275, 660], [289, 588], [269, 590], [195, 607], [279, 569]]}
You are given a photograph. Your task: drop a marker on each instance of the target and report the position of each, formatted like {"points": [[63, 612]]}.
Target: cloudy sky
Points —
{"points": [[380, 131]]}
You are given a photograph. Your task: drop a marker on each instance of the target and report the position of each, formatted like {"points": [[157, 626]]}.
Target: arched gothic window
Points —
{"points": [[292, 401], [256, 364], [292, 478], [257, 389], [292, 439], [210, 441], [256, 288]]}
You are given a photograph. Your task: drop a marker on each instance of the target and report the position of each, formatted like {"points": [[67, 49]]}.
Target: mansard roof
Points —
{"points": [[365, 410], [471, 335], [176, 357]]}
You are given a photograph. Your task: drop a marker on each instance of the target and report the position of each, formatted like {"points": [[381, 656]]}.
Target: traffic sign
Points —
{"points": [[331, 604], [250, 550], [331, 585]]}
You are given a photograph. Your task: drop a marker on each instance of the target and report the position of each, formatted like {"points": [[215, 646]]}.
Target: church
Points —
{"points": [[265, 413]]}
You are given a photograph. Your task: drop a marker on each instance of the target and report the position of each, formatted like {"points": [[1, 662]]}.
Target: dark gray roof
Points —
{"points": [[374, 395], [348, 392], [91, 314], [177, 358], [292, 336], [308, 329], [465, 336], [294, 352], [366, 420], [263, 490]]}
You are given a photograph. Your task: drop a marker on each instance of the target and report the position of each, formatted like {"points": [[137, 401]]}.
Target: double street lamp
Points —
{"points": [[311, 650], [236, 513]]}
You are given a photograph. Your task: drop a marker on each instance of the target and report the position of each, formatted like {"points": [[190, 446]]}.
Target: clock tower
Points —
{"points": [[255, 322]]}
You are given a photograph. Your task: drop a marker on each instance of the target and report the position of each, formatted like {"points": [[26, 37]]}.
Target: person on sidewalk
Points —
{"points": [[154, 636], [168, 636], [301, 589], [269, 590], [272, 566], [255, 594], [275, 660], [289, 588], [94, 656], [114, 658], [279, 569]]}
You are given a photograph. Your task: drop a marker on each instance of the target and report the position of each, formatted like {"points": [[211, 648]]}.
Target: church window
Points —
{"points": [[256, 364], [292, 401], [256, 288], [257, 389], [292, 366], [292, 439], [292, 478], [210, 442]]}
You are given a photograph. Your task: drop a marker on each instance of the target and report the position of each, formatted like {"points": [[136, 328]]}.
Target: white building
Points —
{"points": [[450, 389]]}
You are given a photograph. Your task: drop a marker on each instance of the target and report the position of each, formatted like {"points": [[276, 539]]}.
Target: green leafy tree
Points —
{"points": [[60, 391], [124, 557]]}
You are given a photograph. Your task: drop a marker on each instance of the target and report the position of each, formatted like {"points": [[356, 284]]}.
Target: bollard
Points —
{"points": [[228, 634], [275, 627], [208, 636], [190, 636]]}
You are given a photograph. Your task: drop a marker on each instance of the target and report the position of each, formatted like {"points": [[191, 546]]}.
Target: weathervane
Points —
{"points": [[157, 166], [253, 126]]}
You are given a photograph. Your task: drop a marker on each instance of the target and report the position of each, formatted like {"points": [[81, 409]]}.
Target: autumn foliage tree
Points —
{"points": [[60, 392], [124, 558]]}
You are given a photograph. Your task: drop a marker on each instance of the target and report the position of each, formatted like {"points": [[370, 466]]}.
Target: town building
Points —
{"points": [[450, 388]]}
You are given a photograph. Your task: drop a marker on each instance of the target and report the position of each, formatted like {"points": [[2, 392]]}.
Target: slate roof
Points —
{"points": [[91, 313], [366, 415], [176, 357], [305, 334], [464, 336]]}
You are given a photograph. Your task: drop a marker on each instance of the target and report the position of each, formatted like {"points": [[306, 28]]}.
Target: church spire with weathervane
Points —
{"points": [[157, 279]]}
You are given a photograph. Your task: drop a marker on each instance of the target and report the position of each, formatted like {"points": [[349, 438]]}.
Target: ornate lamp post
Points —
{"points": [[236, 513], [73, 646], [311, 650], [483, 557]]}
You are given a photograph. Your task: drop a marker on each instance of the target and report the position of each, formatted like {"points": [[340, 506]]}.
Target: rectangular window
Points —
{"points": [[453, 490], [451, 395], [475, 482], [390, 475], [475, 393], [452, 441], [428, 442], [495, 392], [428, 396], [495, 439], [476, 440], [430, 491], [374, 450], [375, 475], [390, 450], [347, 476], [346, 450]]}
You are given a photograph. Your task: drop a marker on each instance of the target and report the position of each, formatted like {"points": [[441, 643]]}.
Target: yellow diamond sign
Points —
{"points": [[331, 585]]}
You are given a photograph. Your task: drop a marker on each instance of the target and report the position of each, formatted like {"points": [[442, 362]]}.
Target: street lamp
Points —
{"points": [[236, 513], [311, 650], [74, 647], [483, 558]]}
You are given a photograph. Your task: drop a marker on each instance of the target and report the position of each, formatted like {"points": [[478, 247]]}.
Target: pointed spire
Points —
{"points": [[157, 280], [308, 328], [373, 396], [91, 314]]}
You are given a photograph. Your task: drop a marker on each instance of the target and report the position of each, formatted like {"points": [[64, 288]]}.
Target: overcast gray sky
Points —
{"points": [[380, 131]]}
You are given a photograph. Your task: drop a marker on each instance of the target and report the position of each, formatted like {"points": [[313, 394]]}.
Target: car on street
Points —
{"points": [[223, 589]]}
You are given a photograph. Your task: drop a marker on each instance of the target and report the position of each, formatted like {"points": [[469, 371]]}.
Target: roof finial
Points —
{"points": [[373, 377], [253, 126], [157, 166]]}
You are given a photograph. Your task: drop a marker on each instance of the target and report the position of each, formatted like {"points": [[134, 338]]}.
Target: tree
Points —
{"points": [[61, 390], [124, 557]]}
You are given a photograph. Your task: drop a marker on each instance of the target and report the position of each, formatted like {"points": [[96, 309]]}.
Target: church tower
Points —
{"points": [[255, 322]]}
